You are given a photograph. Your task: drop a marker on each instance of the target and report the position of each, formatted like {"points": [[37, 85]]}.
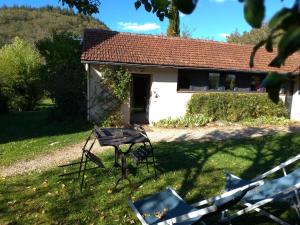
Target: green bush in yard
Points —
{"points": [[20, 83], [185, 121], [234, 107]]}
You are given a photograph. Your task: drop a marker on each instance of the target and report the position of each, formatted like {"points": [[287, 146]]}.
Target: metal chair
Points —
{"points": [[167, 207], [86, 157], [144, 154]]}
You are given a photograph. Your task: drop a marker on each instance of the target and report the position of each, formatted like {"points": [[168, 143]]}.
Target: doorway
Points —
{"points": [[140, 94]]}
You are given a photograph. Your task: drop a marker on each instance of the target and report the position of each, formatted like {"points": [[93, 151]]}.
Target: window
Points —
{"points": [[255, 83], [230, 82], [192, 80], [214, 80]]}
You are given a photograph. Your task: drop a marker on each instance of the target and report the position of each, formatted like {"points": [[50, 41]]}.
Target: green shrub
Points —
{"points": [[266, 120], [185, 121], [20, 82], [234, 107]]}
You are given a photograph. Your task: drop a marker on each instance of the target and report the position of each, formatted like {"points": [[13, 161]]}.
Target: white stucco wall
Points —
{"points": [[164, 100], [95, 109], [295, 107]]}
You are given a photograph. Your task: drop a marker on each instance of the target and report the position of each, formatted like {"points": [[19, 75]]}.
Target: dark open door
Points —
{"points": [[140, 98]]}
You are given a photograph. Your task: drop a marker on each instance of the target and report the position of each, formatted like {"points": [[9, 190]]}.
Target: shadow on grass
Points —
{"points": [[17, 126], [194, 169]]}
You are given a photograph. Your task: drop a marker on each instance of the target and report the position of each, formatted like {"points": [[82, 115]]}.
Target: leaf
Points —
{"points": [[137, 4], [162, 5], [255, 49], [279, 17], [254, 12], [289, 44], [186, 6], [148, 7], [273, 83], [269, 44]]}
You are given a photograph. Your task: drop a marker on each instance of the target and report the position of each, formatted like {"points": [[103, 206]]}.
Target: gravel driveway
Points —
{"points": [[70, 153]]}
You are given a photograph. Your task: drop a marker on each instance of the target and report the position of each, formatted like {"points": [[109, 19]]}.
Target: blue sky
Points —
{"points": [[212, 19]]}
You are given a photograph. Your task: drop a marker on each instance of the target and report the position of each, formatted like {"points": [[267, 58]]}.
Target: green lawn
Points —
{"points": [[194, 169], [27, 134]]}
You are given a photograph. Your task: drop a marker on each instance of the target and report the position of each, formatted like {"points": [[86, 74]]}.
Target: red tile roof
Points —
{"points": [[114, 47]]}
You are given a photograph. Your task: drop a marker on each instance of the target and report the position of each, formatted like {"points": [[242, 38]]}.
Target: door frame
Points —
{"points": [[145, 75]]}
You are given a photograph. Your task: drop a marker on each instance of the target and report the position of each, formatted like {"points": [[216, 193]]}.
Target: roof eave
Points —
{"points": [[174, 66]]}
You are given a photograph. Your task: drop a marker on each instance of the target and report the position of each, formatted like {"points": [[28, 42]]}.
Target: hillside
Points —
{"points": [[33, 24]]}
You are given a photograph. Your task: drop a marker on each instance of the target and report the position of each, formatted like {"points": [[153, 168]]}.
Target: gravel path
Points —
{"points": [[70, 153]]}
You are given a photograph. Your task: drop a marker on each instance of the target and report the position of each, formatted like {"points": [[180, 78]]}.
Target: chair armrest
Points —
{"points": [[228, 193]]}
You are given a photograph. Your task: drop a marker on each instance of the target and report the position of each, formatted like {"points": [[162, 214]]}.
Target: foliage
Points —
{"points": [[87, 7], [25, 135], [115, 85], [63, 74], [20, 75], [185, 121], [266, 120], [251, 37], [194, 169], [33, 24], [174, 21], [234, 107], [118, 80]]}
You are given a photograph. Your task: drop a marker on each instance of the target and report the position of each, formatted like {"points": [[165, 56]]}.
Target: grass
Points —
{"points": [[28, 134], [194, 169]]}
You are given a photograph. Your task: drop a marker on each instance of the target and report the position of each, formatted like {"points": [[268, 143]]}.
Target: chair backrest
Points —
{"points": [[95, 159], [231, 200]]}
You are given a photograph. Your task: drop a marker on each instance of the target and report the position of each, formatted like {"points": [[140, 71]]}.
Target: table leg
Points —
{"points": [[124, 170]]}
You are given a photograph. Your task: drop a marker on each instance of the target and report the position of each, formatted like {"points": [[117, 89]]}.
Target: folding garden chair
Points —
{"points": [[277, 190], [86, 157], [167, 207], [144, 154]]}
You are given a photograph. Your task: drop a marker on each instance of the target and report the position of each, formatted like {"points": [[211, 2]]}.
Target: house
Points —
{"points": [[167, 71]]}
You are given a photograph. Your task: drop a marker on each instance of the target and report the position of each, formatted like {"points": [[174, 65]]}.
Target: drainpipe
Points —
{"points": [[88, 91]]}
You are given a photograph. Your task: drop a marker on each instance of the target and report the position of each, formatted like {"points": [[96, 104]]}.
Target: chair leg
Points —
{"points": [[153, 161], [80, 164], [147, 164], [83, 173]]}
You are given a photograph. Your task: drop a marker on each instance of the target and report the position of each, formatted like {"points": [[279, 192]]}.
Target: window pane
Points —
{"points": [[214, 80], [255, 83], [230, 82]]}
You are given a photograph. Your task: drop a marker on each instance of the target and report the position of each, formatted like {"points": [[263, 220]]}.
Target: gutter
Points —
{"points": [[178, 67]]}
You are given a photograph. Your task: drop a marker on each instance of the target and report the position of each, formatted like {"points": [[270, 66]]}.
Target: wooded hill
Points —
{"points": [[32, 24]]}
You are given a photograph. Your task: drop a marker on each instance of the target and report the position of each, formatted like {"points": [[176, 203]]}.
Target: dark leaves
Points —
{"points": [[186, 6], [87, 7], [254, 12], [289, 44], [137, 4], [273, 83]]}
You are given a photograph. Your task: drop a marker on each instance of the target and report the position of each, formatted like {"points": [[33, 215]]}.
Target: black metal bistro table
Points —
{"points": [[116, 137]]}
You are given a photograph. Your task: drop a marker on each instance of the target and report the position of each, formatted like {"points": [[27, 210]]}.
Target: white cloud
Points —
{"points": [[138, 27], [224, 35]]}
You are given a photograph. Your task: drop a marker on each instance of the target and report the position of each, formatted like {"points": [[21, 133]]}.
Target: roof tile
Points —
{"points": [[114, 47]]}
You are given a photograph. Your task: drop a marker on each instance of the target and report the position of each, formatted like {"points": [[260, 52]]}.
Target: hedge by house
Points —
{"points": [[235, 107]]}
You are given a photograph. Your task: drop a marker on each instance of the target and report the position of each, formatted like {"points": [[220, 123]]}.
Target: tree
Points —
{"points": [[284, 26], [174, 21], [87, 7], [187, 32], [63, 74], [20, 67], [252, 37], [21, 21]]}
